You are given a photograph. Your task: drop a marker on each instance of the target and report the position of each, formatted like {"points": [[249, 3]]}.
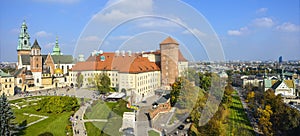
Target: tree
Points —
{"points": [[79, 80], [175, 92], [250, 100], [103, 83], [264, 120], [7, 126], [204, 80]]}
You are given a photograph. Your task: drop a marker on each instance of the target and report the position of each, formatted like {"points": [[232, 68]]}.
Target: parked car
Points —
{"points": [[181, 127]]}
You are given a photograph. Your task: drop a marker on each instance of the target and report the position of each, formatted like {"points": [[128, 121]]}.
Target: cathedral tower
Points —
{"points": [[56, 49], [24, 42], [36, 65]]}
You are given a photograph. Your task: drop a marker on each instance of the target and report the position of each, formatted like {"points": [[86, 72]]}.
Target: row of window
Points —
{"points": [[7, 86], [9, 80]]}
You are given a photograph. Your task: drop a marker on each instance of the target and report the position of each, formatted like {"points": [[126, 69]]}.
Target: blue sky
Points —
{"points": [[248, 29]]}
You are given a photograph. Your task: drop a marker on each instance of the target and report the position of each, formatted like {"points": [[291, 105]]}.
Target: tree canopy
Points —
{"points": [[7, 127]]}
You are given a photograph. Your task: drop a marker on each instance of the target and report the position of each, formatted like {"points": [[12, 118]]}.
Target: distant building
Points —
{"points": [[6, 84], [280, 59]]}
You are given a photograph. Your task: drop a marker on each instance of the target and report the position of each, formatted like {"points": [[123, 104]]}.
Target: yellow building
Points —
{"points": [[6, 84]]}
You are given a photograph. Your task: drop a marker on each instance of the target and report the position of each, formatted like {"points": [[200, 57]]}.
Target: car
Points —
{"points": [[181, 127]]}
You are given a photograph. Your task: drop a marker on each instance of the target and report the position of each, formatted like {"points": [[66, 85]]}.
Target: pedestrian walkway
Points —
{"points": [[78, 125], [42, 118]]}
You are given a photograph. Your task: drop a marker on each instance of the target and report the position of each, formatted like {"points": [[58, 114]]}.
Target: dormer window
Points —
{"points": [[25, 42]]}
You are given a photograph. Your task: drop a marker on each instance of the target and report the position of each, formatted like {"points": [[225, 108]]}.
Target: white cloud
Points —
{"points": [[239, 32], [263, 22], [43, 34], [156, 23], [49, 45], [124, 9], [194, 31], [288, 27], [59, 1], [91, 38], [261, 10]]}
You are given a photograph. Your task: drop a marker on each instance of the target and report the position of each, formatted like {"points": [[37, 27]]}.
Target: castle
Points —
{"points": [[141, 73]]}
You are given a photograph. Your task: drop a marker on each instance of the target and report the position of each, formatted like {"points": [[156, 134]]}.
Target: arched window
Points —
{"points": [[25, 42], [20, 81], [37, 80]]}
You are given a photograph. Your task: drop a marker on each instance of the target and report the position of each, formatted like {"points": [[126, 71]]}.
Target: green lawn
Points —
{"points": [[93, 128], [99, 110], [55, 123], [238, 123], [153, 133], [112, 111]]}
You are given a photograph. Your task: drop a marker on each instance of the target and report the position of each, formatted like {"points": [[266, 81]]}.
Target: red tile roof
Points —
{"points": [[124, 64], [169, 40]]}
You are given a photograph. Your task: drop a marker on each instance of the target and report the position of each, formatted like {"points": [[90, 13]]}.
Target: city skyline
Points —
{"points": [[248, 30]]}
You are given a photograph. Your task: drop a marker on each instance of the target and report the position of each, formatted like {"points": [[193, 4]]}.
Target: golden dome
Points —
{"points": [[58, 71]]}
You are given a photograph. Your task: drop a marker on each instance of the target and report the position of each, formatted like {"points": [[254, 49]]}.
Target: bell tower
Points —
{"points": [[23, 42]]}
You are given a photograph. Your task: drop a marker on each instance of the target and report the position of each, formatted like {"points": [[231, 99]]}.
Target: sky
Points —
{"points": [[205, 30]]}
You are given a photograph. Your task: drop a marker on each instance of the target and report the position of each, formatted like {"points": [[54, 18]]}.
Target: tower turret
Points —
{"points": [[56, 49], [24, 39]]}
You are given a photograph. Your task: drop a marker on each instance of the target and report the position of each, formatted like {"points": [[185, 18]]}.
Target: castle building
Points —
{"points": [[142, 73], [36, 69]]}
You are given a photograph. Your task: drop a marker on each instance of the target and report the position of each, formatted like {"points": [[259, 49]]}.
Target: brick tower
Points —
{"points": [[169, 62], [36, 63]]}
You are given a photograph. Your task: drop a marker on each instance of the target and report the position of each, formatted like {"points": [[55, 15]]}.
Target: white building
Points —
{"points": [[127, 72]]}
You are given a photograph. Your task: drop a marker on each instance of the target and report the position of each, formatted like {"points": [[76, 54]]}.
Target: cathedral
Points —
{"points": [[35, 70]]}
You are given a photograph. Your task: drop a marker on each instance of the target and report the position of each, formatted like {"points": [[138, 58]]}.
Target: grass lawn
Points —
{"points": [[113, 111], [238, 123], [93, 128], [55, 123], [153, 133], [99, 110]]}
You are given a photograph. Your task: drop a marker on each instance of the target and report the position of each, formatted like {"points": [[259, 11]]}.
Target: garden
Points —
{"points": [[44, 115]]}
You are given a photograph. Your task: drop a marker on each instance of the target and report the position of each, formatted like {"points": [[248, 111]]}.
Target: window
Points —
{"points": [[37, 65], [68, 67], [37, 80], [62, 67], [20, 81]]}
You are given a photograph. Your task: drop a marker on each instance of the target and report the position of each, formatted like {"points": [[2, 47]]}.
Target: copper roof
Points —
{"points": [[112, 62], [169, 40]]}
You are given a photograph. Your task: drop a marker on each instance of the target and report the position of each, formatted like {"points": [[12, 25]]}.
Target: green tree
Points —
{"points": [[79, 80], [264, 120], [175, 92], [103, 83], [204, 80], [57, 104], [7, 127]]}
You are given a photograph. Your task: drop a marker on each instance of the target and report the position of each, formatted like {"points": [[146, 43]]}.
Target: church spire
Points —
{"points": [[24, 38], [56, 49]]}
